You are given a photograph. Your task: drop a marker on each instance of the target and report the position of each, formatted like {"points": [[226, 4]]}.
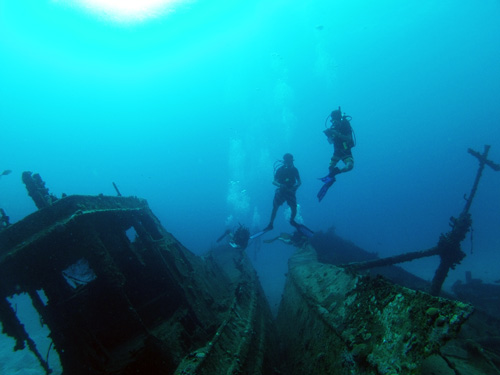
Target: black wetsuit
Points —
{"points": [[343, 142], [342, 148], [288, 177]]}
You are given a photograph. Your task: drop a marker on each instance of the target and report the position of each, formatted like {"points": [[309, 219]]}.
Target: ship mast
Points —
{"points": [[448, 247]]}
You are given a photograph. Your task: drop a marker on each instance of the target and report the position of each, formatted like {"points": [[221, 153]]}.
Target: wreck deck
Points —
{"points": [[336, 322]]}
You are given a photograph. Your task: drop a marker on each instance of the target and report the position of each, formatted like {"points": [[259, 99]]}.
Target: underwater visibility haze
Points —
{"points": [[189, 105]]}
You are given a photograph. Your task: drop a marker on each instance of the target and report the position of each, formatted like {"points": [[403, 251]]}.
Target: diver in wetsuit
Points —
{"points": [[287, 179], [238, 238], [341, 135]]}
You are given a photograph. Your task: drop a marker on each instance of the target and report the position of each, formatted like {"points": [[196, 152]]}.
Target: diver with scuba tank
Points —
{"points": [[341, 135], [287, 180]]}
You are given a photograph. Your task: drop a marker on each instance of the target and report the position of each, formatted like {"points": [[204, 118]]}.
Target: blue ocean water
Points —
{"points": [[190, 110]]}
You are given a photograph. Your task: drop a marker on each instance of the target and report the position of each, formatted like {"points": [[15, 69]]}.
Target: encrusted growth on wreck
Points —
{"points": [[359, 325], [37, 190]]}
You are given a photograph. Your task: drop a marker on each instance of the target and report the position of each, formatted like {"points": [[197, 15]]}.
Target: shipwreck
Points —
{"points": [[120, 295]]}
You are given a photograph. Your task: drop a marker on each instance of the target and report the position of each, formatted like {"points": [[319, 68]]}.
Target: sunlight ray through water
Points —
{"points": [[127, 11]]}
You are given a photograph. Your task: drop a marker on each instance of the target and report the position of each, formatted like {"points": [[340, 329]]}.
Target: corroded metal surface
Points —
{"points": [[335, 322]]}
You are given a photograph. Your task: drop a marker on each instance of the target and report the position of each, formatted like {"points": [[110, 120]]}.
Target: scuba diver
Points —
{"points": [[287, 179], [237, 238], [341, 135]]}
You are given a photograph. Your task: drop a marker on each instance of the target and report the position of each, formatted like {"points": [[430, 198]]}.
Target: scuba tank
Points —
{"points": [[338, 119]]}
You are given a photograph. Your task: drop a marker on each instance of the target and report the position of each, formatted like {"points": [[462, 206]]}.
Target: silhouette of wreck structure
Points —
{"points": [[448, 248], [120, 295]]}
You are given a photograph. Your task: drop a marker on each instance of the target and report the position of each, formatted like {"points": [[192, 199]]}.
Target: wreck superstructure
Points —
{"points": [[121, 295]]}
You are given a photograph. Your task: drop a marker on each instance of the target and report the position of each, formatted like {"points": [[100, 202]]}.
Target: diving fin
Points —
{"points": [[324, 189], [327, 179], [258, 234], [271, 240], [305, 230], [223, 235], [330, 177], [301, 228]]}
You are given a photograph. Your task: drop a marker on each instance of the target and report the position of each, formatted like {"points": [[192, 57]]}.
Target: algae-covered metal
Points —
{"points": [[336, 322]]}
